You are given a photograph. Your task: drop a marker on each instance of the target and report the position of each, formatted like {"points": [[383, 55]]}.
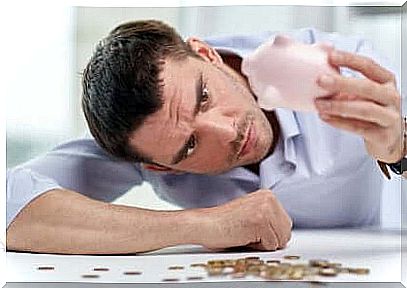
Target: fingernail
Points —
{"points": [[327, 80]]}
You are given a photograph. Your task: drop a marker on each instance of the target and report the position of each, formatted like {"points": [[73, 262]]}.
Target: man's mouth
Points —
{"points": [[248, 141]]}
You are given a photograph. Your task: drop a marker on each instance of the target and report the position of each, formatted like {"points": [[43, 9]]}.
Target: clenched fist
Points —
{"points": [[257, 220]]}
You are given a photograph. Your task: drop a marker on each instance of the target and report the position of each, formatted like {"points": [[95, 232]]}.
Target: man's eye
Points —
{"points": [[190, 146], [205, 97]]}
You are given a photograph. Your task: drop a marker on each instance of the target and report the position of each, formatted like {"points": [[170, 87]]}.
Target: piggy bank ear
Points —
{"points": [[205, 51]]}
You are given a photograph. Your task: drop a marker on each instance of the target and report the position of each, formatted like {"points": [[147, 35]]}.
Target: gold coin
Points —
{"points": [[199, 265], [132, 273], [252, 258], [100, 269], [273, 261], [330, 272], [318, 263], [215, 271], [170, 280], [176, 268], [297, 275], [292, 257], [215, 262], [194, 278], [90, 276], [46, 268], [359, 271]]}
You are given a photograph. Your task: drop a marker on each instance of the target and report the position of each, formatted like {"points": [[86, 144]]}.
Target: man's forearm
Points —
{"points": [[62, 221]]}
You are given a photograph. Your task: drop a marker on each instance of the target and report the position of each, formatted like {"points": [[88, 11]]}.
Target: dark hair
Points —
{"points": [[121, 84]]}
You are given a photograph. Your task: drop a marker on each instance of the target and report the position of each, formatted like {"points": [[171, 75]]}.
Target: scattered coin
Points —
{"points": [[359, 271], [46, 268], [215, 271], [252, 258], [170, 280], [100, 269], [331, 272], [132, 273], [90, 276], [176, 268], [274, 269], [318, 263], [199, 265], [273, 261], [194, 278], [292, 257]]}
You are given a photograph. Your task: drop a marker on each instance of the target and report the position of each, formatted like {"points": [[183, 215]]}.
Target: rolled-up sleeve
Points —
{"points": [[22, 186]]}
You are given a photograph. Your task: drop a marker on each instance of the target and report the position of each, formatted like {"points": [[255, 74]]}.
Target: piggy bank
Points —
{"points": [[283, 73]]}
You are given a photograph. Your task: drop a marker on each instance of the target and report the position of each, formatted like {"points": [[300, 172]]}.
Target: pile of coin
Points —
{"points": [[275, 269]]}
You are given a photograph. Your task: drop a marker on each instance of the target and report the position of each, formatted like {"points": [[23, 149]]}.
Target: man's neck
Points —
{"points": [[234, 61]]}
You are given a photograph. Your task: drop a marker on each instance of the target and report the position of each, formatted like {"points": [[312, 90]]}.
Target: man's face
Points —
{"points": [[209, 122]]}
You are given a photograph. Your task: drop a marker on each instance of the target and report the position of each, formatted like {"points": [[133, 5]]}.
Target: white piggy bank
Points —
{"points": [[283, 73]]}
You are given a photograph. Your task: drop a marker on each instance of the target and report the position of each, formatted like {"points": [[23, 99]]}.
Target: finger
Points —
{"points": [[363, 64], [270, 237], [361, 128], [360, 110], [364, 88]]}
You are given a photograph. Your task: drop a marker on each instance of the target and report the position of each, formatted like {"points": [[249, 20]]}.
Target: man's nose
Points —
{"points": [[218, 124]]}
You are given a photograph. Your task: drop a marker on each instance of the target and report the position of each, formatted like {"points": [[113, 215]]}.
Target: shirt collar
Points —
{"points": [[282, 162], [284, 158]]}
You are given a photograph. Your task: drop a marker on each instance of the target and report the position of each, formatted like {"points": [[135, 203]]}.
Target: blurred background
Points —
{"points": [[49, 49]]}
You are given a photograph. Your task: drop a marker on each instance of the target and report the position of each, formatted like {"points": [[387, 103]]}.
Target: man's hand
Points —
{"points": [[256, 220], [369, 107]]}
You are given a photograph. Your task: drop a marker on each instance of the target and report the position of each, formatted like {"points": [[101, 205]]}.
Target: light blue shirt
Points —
{"points": [[323, 176]]}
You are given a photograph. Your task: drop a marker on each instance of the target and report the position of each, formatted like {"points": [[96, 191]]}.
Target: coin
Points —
{"points": [[318, 263], [170, 280], [252, 258], [359, 271], [132, 273], [297, 275], [199, 265], [273, 261], [46, 268], [215, 271], [194, 278], [292, 257], [176, 268], [90, 276], [100, 269], [328, 272]]}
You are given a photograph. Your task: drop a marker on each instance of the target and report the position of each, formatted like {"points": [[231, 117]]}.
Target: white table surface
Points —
{"points": [[378, 250]]}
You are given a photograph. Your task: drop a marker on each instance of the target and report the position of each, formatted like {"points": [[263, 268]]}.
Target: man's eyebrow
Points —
{"points": [[179, 156]]}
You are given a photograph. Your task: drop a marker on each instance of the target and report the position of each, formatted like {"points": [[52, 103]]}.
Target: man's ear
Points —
{"points": [[206, 52], [160, 168]]}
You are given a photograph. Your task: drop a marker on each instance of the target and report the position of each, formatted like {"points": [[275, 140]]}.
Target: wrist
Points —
{"points": [[194, 226]]}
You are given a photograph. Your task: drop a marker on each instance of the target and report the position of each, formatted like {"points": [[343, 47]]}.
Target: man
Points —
{"points": [[184, 118]]}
